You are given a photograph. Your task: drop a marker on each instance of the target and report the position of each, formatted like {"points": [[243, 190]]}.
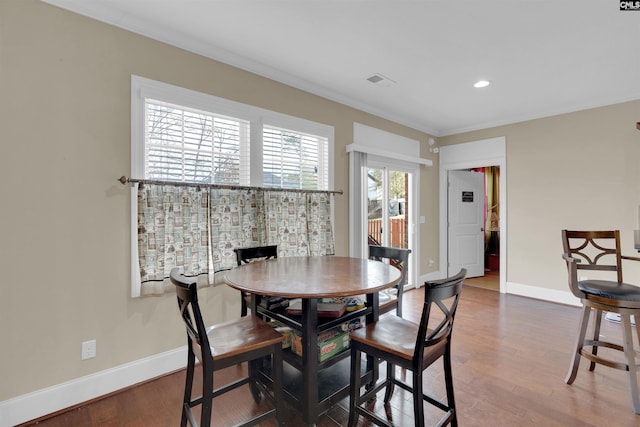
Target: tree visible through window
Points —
{"points": [[188, 145]]}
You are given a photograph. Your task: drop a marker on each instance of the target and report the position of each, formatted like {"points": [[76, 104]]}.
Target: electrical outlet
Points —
{"points": [[88, 349], [431, 262]]}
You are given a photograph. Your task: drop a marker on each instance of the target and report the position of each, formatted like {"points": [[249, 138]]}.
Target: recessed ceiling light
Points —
{"points": [[482, 83]]}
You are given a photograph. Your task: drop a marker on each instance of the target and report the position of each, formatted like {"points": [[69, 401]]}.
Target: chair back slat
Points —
{"points": [[444, 294], [246, 255], [593, 250], [187, 295], [398, 257]]}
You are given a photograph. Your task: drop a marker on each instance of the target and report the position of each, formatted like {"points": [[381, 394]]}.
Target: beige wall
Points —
{"points": [[574, 171], [64, 86], [65, 120]]}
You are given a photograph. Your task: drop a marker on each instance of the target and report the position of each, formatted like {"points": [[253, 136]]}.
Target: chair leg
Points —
{"points": [[637, 322], [399, 314], [448, 379], [636, 319], [418, 402], [631, 361], [391, 375], [354, 386], [188, 386], [596, 336], [582, 331], [207, 396], [255, 391], [278, 394]]}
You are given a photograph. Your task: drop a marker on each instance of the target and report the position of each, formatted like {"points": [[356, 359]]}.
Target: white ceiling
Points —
{"points": [[544, 57]]}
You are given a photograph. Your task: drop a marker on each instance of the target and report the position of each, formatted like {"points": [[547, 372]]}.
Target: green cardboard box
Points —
{"points": [[330, 343], [332, 346]]}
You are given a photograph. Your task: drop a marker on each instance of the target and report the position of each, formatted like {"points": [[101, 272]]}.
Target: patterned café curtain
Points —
{"points": [[299, 223], [198, 228]]}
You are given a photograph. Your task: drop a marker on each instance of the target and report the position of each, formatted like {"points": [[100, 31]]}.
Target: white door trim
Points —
{"points": [[487, 152]]}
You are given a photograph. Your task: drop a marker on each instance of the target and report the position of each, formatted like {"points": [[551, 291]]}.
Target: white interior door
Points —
{"points": [[466, 223]]}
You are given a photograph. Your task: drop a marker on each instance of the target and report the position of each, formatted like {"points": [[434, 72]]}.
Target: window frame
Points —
{"points": [[143, 88]]}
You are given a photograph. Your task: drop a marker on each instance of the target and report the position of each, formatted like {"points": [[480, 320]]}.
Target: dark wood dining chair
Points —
{"points": [[248, 339], [411, 346], [600, 251], [399, 258], [247, 255]]}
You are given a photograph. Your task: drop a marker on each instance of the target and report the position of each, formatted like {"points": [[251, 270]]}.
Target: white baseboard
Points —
{"points": [[52, 399], [551, 295]]}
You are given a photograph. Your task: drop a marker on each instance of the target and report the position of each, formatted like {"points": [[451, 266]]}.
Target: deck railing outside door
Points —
{"points": [[397, 232]]}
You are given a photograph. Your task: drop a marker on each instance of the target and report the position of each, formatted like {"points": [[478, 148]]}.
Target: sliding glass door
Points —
{"points": [[390, 207], [387, 203]]}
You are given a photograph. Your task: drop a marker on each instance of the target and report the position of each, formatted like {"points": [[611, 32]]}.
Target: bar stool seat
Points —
{"points": [[610, 290]]}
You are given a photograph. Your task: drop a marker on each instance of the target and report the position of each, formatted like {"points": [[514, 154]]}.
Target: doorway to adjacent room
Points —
{"points": [[464, 157]]}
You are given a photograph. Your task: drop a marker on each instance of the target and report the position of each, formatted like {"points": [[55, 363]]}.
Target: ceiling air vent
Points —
{"points": [[380, 80]]}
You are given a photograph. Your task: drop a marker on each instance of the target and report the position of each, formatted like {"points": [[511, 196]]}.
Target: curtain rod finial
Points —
{"points": [[123, 180]]}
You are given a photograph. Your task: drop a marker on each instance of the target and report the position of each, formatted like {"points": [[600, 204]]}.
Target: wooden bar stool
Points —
{"points": [[412, 346], [247, 339], [600, 251]]}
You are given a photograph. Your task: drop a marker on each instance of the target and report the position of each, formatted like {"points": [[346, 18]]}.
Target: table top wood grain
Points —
{"points": [[313, 277]]}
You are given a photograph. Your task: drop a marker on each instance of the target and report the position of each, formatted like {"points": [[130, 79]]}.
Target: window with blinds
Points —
{"points": [[182, 135], [189, 145], [293, 159]]}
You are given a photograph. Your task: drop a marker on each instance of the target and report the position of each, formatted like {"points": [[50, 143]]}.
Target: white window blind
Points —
{"points": [[294, 159], [189, 145]]}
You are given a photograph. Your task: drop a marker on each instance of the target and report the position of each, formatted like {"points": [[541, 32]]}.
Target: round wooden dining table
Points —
{"points": [[313, 278]]}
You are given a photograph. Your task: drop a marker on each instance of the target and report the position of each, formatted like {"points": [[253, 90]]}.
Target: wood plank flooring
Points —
{"points": [[490, 280], [510, 357]]}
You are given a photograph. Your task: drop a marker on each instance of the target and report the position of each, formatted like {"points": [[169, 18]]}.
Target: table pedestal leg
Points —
{"points": [[310, 360], [373, 316]]}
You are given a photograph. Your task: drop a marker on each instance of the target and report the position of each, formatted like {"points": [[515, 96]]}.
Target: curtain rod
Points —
{"points": [[123, 180]]}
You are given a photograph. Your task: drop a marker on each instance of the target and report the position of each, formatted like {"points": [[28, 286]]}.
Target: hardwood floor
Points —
{"points": [[510, 357], [490, 280]]}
